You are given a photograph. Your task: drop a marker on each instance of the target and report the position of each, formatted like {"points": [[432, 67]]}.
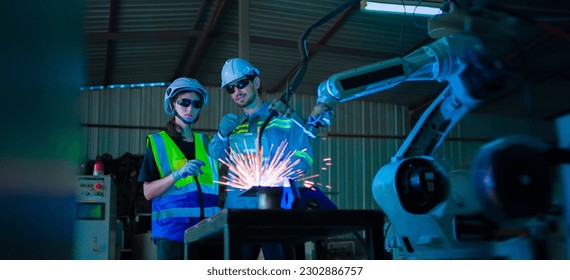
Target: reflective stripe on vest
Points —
{"points": [[184, 212], [276, 123], [284, 124]]}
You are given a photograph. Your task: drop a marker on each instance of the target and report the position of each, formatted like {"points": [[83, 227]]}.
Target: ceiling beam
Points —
{"points": [[145, 35], [193, 34], [200, 46], [244, 29], [319, 48], [110, 49], [200, 15], [186, 52], [321, 41]]}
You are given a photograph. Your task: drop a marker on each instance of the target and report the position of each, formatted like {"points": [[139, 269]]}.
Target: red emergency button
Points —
{"points": [[98, 186]]}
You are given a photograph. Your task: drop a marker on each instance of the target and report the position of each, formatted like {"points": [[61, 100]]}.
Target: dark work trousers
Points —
{"points": [[173, 250]]}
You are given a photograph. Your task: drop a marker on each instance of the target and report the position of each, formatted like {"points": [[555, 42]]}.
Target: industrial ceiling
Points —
{"points": [[149, 41]]}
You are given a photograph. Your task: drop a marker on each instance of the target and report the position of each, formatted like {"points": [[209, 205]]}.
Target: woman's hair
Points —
{"points": [[172, 128]]}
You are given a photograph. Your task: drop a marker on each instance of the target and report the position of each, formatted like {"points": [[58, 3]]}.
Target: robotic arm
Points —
{"points": [[444, 60], [456, 59], [413, 189]]}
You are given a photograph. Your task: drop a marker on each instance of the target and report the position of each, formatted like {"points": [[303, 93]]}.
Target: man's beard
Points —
{"points": [[248, 100]]}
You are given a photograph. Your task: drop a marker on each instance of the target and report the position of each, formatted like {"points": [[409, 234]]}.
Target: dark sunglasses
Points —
{"points": [[185, 102], [239, 84]]}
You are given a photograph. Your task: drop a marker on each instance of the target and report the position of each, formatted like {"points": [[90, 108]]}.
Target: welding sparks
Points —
{"points": [[251, 169]]}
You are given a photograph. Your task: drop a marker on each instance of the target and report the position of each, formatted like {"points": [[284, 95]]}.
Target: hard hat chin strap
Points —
{"points": [[185, 128]]}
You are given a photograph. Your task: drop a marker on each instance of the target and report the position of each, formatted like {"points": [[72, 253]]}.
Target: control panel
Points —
{"points": [[95, 218], [91, 191]]}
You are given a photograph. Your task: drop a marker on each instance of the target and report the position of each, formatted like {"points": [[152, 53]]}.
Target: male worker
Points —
{"points": [[241, 81]]}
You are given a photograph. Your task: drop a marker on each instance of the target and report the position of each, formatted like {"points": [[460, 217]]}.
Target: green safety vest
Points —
{"points": [[182, 205]]}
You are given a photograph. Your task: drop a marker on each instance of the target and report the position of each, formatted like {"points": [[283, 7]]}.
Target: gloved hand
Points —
{"points": [[191, 168], [227, 124]]}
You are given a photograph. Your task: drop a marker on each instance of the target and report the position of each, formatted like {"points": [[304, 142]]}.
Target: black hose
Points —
{"points": [[290, 88]]}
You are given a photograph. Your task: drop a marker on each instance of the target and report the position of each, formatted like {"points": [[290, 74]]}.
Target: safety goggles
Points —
{"points": [[239, 84], [185, 102]]}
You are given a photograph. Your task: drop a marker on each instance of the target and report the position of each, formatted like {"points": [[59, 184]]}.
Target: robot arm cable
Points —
{"points": [[300, 73], [281, 108]]}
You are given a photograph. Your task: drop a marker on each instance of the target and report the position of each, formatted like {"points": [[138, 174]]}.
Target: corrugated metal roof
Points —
{"points": [[137, 60], [135, 41]]}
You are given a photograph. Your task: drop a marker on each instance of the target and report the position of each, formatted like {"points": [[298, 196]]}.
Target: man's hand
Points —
{"points": [[228, 124]]}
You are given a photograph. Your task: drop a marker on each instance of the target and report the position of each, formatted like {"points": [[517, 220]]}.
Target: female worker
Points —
{"points": [[177, 173]]}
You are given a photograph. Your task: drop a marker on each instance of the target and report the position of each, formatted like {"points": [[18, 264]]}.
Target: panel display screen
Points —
{"points": [[89, 211]]}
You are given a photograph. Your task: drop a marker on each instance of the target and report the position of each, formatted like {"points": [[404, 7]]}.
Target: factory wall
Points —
{"points": [[363, 137]]}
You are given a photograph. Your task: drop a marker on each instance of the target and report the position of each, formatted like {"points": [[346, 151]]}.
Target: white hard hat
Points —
{"points": [[235, 69], [182, 85]]}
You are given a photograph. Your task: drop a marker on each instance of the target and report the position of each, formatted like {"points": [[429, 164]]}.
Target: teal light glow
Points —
{"points": [[139, 85]]}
